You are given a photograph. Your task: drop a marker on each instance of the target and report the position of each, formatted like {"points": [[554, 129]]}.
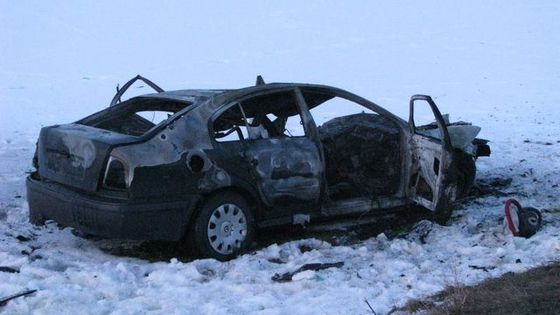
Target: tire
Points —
{"points": [[36, 218], [466, 173], [223, 228], [442, 214], [530, 221]]}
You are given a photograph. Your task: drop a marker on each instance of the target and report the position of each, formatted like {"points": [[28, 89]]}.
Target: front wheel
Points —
{"points": [[466, 173], [465, 168], [223, 228]]}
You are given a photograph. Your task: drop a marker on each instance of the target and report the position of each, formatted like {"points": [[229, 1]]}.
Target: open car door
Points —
{"points": [[431, 182]]}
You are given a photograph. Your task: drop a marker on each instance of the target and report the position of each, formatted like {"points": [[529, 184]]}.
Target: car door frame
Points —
{"points": [[432, 162], [312, 204], [401, 192]]}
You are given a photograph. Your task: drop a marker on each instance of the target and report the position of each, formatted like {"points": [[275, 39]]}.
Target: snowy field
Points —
{"points": [[495, 64]]}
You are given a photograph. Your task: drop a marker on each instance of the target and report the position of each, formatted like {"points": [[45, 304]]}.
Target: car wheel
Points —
{"points": [[530, 221], [442, 214], [466, 173], [223, 228], [36, 218]]}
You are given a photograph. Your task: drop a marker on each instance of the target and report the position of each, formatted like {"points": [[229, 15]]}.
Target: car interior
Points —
{"points": [[361, 148], [134, 117]]}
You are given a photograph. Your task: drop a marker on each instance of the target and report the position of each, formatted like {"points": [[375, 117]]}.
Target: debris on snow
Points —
{"points": [[8, 269], [6, 299], [288, 276]]}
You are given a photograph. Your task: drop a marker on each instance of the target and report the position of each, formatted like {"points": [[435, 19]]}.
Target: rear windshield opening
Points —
{"points": [[135, 117]]}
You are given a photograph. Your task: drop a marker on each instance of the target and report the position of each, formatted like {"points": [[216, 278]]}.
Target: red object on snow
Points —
{"points": [[513, 226]]}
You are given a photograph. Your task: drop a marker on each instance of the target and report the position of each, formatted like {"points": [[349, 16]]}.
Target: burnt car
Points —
{"points": [[217, 165]]}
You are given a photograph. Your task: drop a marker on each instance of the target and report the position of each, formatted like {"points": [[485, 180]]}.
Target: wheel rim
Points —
{"points": [[227, 229]]}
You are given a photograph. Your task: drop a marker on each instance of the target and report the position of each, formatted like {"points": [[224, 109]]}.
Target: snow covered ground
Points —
{"points": [[493, 63]]}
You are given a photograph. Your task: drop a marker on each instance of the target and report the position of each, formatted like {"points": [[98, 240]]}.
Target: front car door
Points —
{"points": [[431, 182]]}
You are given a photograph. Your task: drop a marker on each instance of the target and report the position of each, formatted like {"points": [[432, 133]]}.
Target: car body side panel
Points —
{"points": [[170, 181], [169, 145], [226, 168], [161, 167]]}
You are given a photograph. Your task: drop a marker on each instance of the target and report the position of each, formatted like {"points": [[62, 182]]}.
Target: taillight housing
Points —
{"points": [[116, 174]]}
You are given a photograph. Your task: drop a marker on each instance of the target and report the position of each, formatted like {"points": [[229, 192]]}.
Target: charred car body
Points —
{"points": [[222, 163]]}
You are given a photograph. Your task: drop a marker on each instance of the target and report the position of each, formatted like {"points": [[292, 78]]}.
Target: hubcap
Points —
{"points": [[227, 228]]}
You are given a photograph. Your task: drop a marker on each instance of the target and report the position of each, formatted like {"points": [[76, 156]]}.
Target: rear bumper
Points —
{"points": [[108, 217]]}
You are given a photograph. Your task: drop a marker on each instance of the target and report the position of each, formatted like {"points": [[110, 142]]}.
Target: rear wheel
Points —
{"points": [[223, 228]]}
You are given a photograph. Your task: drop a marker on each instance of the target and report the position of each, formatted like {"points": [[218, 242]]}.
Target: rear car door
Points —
{"points": [[276, 148], [431, 182], [286, 162]]}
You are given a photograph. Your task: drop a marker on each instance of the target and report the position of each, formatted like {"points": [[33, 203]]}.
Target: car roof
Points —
{"points": [[220, 96], [194, 95], [184, 95]]}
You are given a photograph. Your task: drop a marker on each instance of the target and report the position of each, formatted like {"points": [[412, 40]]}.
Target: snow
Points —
{"points": [[492, 63]]}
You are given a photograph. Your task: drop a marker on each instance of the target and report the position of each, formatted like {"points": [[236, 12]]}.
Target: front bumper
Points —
{"points": [[108, 217]]}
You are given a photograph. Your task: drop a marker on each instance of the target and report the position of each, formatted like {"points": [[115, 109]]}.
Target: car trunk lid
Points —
{"points": [[75, 154]]}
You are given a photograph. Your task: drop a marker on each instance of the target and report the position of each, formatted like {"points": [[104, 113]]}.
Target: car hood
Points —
{"points": [[461, 135]]}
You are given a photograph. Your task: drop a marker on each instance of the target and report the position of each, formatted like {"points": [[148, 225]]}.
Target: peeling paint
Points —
{"points": [[82, 151]]}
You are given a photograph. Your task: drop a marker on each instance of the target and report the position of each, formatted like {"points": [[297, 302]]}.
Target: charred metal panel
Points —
{"points": [[362, 156], [178, 178], [187, 133], [288, 169], [213, 179], [433, 164], [433, 182], [228, 168], [171, 180], [461, 134], [74, 154]]}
